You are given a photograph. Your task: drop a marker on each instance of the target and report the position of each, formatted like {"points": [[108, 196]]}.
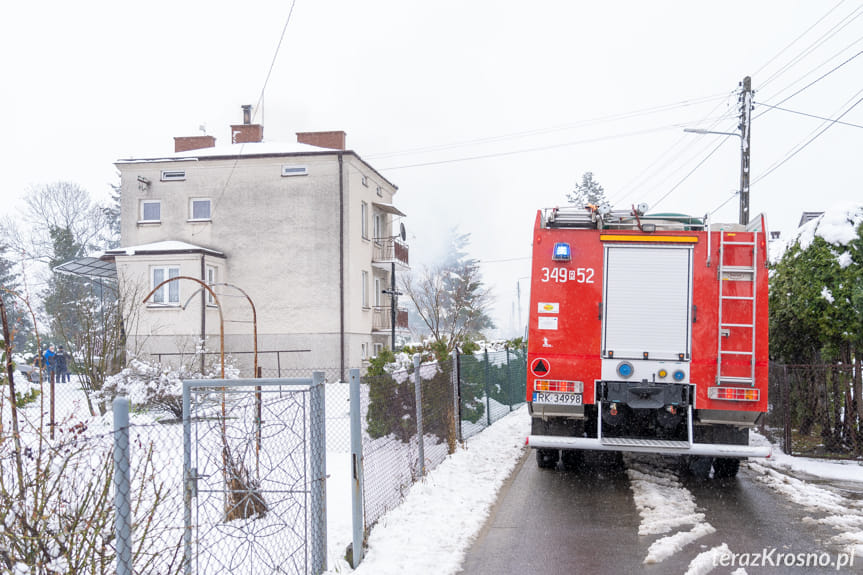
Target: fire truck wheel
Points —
{"points": [[725, 468], [546, 458], [571, 459], [699, 466]]}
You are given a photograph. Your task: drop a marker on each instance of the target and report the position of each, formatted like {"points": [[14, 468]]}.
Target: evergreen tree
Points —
{"points": [[16, 313], [588, 192]]}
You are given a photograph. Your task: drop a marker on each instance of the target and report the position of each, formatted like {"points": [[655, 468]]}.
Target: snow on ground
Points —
{"points": [[434, 527], [430, 532], [664, 505], [791, 476]]}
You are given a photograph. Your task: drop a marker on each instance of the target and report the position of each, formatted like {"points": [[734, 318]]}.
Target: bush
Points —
{"points": [[155, 386]]}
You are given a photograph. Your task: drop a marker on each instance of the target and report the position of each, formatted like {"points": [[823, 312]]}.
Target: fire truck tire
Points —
{"points": [[699, 466], [725, 468], [571, 459], [546, 458]]}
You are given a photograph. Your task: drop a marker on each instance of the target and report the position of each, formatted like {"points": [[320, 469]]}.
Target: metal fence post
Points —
{"points": [[487, 390], [318, 456], [509, 382], [122, 487], [786, 412], [356, 471], [419, 395], [456, 396], [187, 478]]}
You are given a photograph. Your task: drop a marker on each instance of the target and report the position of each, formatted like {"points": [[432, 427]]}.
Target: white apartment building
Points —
{"points": [[297, 240]]}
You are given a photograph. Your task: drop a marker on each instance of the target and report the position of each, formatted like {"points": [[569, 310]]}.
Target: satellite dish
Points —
{"points": [[402, 231]]}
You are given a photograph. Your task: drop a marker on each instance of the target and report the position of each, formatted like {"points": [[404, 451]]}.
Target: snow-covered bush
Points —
{"points": [[157, 386]]}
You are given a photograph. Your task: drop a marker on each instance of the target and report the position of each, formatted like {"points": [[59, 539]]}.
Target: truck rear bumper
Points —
{"points": [[647, 446]]}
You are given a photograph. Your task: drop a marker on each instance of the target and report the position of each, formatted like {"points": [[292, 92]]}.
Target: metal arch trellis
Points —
{"points": [[244, 500]]}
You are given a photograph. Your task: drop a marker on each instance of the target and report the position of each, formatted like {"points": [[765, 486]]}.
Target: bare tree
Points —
{"points": [[451, 300]]}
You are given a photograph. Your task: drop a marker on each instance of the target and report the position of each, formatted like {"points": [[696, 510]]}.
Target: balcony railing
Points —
{"points": [[383, 318], [388, 250]]}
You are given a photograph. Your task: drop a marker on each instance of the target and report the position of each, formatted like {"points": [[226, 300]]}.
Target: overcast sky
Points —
{"points": [[481, 112]]}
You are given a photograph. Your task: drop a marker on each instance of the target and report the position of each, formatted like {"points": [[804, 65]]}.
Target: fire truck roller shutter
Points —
{"points": [[648, 301]]}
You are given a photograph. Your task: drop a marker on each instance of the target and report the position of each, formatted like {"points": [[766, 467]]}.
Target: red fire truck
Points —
{"points": [[648, 333]]}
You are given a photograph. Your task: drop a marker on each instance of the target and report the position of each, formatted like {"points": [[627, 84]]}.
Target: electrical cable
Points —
{"points": [[533, 149], [813, 82], [818, 42], [542, 131], [799, 149], [224, 189], [807, 115]]}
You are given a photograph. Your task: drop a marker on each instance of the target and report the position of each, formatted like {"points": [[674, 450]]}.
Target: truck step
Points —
{"points": [[635, 442]]}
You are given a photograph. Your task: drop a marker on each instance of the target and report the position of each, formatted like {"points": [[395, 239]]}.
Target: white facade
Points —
{"points": [[306, 232]]}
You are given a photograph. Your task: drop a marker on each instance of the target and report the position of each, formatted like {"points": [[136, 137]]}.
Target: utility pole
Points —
{"points": [[745, 101]]}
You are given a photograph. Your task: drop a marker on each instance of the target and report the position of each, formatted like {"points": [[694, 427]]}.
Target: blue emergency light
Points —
{"points": [[561, 253]]}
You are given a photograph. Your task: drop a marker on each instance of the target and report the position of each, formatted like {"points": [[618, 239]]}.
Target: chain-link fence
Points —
{"points": [[57, 504], [816, 409], [491, 384], [58, 465], [458, 398]]}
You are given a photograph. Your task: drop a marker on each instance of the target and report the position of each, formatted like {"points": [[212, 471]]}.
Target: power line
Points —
{"points": [[808, 115], [818, 42], [794, 41], [816, 80], [534, 149], [254, 113], [543, 131], [777, 165]]}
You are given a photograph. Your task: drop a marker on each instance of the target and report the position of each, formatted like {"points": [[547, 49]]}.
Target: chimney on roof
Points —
{"points": [[186, 143], [247, 133], [334, 140]]}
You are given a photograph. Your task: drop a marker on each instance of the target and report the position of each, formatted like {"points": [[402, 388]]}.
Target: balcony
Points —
{"points": [[382, 319], [388, 251]]}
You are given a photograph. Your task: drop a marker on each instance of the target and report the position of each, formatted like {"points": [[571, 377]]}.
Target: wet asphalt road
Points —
{"points": [[585, 521]]}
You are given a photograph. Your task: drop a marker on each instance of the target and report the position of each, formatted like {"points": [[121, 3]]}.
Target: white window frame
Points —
{"points": [[292, 170], [378, 226], [364, 351], [173, 288], [365, 181], [212, 277], [173, 175], [141, 211], [365, 280], [364, 215], [378, 292], [378, 348], [192, 202]]}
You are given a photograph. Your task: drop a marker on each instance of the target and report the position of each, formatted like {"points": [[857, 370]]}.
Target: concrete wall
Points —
{"points": [[280, 237]]}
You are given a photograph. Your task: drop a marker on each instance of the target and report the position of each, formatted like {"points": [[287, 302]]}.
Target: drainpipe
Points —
{"points": [[203, 309], [341, 269]]}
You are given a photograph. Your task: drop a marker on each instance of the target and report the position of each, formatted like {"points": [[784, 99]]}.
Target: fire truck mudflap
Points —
{"points": [[648, 333]]}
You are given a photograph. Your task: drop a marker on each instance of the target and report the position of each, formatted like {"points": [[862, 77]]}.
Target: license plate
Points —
{"points": [[556, 398]]}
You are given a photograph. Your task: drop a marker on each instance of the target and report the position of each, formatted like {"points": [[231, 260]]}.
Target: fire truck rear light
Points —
{"points": [[662, 373], [625, 369], [734, 393], [679, 375], [559, 386]]}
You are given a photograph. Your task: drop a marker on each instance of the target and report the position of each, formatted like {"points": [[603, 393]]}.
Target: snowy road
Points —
{"points": [[639, 515]]}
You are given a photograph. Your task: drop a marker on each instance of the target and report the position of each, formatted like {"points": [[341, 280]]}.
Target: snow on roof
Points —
{"points": [[165, 246], [234, 150]]}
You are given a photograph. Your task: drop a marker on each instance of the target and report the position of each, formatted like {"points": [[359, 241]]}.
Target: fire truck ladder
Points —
{"points": [[736, 273]]}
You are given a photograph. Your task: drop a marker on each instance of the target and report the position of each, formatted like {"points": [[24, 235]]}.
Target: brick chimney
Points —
{"points": [[186, 143], [333, 140], [247, 133]]}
